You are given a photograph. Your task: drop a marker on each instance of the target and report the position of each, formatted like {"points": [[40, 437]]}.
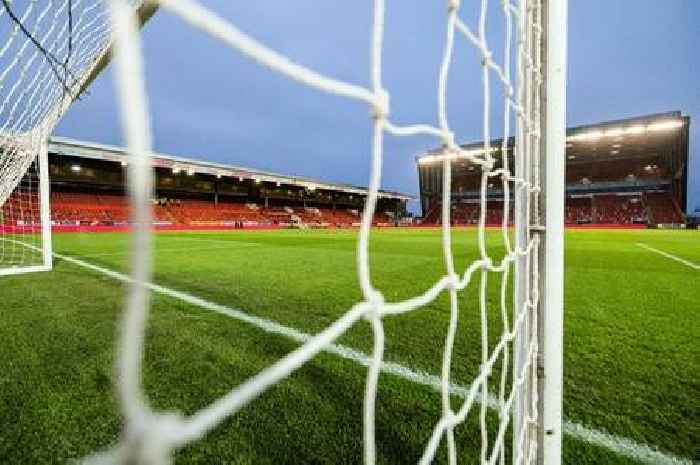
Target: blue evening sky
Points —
{"points": [[626, 58]]}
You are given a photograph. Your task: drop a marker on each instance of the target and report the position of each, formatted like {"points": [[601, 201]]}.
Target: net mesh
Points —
{"points": [[151, 437], [20, 225], [52, 56], [48, 53]]}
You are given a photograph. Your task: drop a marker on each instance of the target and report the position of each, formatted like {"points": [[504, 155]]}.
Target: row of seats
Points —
{"points": [[71, 208], [21, 208], [468, 213], [662, 208], [651, 208]]}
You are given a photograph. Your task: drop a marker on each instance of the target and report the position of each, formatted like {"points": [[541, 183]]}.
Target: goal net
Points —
{"points": [[50, 51], [46, 51], [21, 233], [53, 50]]}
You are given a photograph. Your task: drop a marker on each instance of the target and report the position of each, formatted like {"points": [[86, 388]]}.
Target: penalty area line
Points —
{"points": [[669, 256], [617, 444]]}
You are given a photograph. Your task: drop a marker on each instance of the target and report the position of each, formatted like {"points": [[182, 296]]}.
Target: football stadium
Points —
{"points": [[526, 295]]}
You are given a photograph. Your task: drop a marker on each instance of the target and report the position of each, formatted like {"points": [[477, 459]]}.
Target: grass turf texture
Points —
{"points": [[631, 332]]}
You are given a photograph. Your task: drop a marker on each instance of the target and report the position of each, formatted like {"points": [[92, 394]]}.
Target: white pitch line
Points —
{"points": [[668, 255], [620, 445]]}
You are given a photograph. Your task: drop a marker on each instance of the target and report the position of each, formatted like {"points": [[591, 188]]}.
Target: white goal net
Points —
{"points": [[65, 45], [21, 233], [46, 51], [50, 50]]}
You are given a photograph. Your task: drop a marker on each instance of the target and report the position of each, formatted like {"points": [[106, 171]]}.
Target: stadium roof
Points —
{"points": [[75, 148], [646, 135]]}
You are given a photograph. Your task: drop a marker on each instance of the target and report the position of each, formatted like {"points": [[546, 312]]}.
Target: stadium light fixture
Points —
{"points": [[664, 125], [456, 155], [218, 175], [76, 168], [571, 157], [633, 130], [589, 136], [124, 163], [615, 132], [614, 152], [618, 132], [190, 172]]}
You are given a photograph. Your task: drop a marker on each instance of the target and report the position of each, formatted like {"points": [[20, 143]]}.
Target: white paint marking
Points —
{"points": [[668, 255], [620, 445]]}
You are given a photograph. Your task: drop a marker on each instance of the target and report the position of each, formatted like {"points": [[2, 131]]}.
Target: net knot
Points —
{"points": [[450, 419], [453, 281], [153, 441], [486, 58], [380, 107], [375, 302], [448, 138]]}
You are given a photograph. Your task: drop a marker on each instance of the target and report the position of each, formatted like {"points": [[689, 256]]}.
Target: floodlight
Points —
{"points": [[638, 129], [664, 125]]}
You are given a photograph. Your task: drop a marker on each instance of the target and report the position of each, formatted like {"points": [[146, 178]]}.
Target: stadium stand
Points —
{"points": [[627, 172], [77, 208], [578, 210], [87, 190], [603, 209], [468, 213], [662, 208], [617, 209], [20, 208]]}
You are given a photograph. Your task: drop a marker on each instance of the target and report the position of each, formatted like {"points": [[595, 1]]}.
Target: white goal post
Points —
{"points": [[52, 51], [25, 238]]}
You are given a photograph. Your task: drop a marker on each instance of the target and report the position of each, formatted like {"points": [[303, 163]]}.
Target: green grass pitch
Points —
{"points": [[631, 344]]}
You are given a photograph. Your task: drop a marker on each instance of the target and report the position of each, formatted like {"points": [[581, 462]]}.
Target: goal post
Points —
{"points": [[50, 52], [542, 161], [45, 206], [25, 241], [551, 322]]}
